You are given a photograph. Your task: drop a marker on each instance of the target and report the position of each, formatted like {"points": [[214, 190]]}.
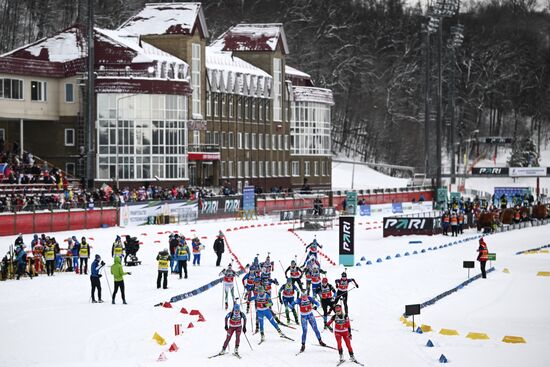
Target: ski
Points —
{"points": [[287, 325], [237, 355], [300, 352], [216, 355], [286, 337], [340, 362], [326, 346], [356, 361], [261, 341]]}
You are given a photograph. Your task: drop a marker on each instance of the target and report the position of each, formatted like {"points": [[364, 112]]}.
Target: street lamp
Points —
{"points": [[457, 37]]}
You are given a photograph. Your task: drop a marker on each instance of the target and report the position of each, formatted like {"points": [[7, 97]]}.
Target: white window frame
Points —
{"points": [[253, 141], [239, 169], [196, 137], [277, 89], [72, 171], [286, 142], [280, 142], [261, 141], [222, 104], [267, 141], [323, 168], [286, 168], [208, 104], [295, 168], [274, 172], [230, 169], [274, 142], [230, 140], [246, 169], [239, 140], [260, 168], [67, 142], [42, 89], [246, 140], [267, 169], [307, 172], [222, 139], [196, 80], [223, 174], [253, 168], [3, 134], [72, 93], [230, 102], [280, 169], [316, 168], [11, 81], [216, 104]]}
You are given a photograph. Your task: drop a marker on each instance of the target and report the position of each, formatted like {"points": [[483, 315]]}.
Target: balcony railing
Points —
{"points": [[206, 148]]}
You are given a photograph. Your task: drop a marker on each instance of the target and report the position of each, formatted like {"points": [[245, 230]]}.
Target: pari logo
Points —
{"points": [[346, 236], [490, 171], [405, 223]]}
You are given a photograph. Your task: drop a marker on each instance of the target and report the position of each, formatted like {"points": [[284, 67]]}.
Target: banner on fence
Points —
{"points": [[248, 198], [364, 210], [136, 214], [220, 206], [403, 226], [397, 208], [351, 202], [346, 241]]}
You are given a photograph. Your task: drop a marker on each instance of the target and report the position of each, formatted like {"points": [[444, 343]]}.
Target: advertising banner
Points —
{"points": [[402, 226], [137, 214], [527, 171], [441, 200], [248, 198], [364, 210], [351, 202], [226, 206], [397, 208], [346, 241], [490, 171]]}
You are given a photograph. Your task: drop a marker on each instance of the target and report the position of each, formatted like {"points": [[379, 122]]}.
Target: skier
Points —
{"points": [[316, 280], [228, 276], [483, 256], [182, 253], [311, 264], [117, 248], [342, 289], [118, 275], [96, 267], [163, 259], [293, 272], [237, 320], [38, 251], [21, 256], [219, 248], [327, 294], [249, 281], [173, 241], [197, 247], [35, 241], [84, 253], [342, 330], [263, 302], [267, 267], [75, 249], [313, 249], [286, 298], [306, 304]]}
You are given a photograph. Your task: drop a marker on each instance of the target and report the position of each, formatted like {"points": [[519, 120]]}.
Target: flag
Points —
{"points": [[3, 167]]}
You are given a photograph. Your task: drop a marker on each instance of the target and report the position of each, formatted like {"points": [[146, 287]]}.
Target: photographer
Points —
{"points": [[97, 264]]}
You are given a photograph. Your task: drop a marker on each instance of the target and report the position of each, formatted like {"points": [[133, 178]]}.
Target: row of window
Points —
{"points": [[247, 140], [253, 169], [13, 89]]}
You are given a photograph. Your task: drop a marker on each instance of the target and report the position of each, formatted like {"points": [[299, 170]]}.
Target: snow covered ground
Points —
{"points": [[363, 178], [48, 321]]}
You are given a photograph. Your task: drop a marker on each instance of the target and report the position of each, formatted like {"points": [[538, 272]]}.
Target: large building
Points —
{"points": [[169, 107]]}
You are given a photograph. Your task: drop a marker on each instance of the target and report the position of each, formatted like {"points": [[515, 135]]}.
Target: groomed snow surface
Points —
{"points": [[49, 321]]}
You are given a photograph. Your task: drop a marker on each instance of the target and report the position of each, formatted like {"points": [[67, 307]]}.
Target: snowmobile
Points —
{"points": [[131, 247]]}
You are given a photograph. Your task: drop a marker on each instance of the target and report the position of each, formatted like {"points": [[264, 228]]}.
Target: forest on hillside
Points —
{"points": [[372, 54]]}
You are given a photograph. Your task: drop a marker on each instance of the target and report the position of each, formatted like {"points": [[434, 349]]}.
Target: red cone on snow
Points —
{"points": [[183, 311], [162, 357], [194, 312], [141, 243], [176, 231], [157, 241], [91, 238], [173, 348], [201, 319], [160, 232], [144, 234], [228, 230], [167, 305], [190, 325], [204, 238]]}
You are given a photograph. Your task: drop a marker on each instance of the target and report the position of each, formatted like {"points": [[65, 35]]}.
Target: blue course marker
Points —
{"points": [[363, 258], [419, 330], [397, 255], [406, 254], [379, 260], [429, 249], [358, 264], [415, 241], [415, 253], [443, 359], [423, 250], [369, 262], [429, 344], [388, 257]]}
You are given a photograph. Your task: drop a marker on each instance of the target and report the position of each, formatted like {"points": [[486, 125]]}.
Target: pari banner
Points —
{"points": [[346, 241]]}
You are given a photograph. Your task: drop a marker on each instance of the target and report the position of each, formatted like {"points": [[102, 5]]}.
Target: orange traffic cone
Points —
{"points": [[167, 305], [173, 348], [190, 325], [183, 311]]}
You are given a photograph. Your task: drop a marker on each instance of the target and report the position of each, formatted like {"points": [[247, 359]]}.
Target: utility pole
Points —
{"points": [[90, 126], [454, 42], [439, 105]]}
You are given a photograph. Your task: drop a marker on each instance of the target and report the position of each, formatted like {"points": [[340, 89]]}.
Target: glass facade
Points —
{"points": [[146, 133], [310, 129]]}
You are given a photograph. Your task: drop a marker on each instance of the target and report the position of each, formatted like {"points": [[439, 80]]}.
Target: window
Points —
{"points": [[280, 168], [306, 168], [224, 113], [208, 104], [315, 168], [253, 168], [38, 91], [253, 141], [239, 109], [246, 140], [69, 92], [266, 141], [11, 88], [230, 139], [246, 169], [295, 168], [69, 137], [274, 142], [286, 142], [260, 141], [266, 168], [230, 169], [230, 106], [277, 89], [286, 168], [280, 141], [273, 168], [70, 168], [216, 106], [239, 140], [3, 134], [223, 173], [240, 169], [196, 137], [245, 109], [196, 79], [261, 169], [323, 168], [260, 109], [222, 140], [253, 109]]}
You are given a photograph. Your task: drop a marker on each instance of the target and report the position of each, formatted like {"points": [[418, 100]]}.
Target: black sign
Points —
{"points": [[404, 226], [220, 207], [412, 310], [306, 214], [498, 140], [468, 264], [346, 236], [490, 171]]}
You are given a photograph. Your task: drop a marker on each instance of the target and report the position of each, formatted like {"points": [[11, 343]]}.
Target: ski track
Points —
{"points": [[55, 311]]}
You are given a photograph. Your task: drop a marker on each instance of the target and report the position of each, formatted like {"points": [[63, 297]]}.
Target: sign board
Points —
{"points": [[404, 226], [468, 264], [346, 241], [492, 256], [527, 171], [364, 210], [412, 310], [441, 198], [212, 156], [136, 214], [510, 193], [351, 202], [397, 208], [490, 171], [248, 198], [219, 206]]}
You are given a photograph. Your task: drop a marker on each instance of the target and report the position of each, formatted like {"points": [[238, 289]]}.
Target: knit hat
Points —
{"points": [[97, 257]]}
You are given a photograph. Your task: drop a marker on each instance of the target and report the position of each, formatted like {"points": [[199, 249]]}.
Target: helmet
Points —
{"points": [[261, 289], [97, 257], [117, 238], [165, 250], [344, 275], [236, 307], [293, 262], [338, 308], [83, 238], [228, 266], [35, 236], [324, 281]]}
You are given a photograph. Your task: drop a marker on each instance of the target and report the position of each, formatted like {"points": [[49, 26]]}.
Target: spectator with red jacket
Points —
{"points": [[483, 256]]}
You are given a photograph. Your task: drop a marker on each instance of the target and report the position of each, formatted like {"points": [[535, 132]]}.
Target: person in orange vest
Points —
{"points": [[445, 223], [517, 215], [461, 222], [483, 256], [38, 251], [454, 225]]}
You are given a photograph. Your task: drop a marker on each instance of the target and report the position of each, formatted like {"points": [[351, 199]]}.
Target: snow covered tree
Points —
{"points": [[524, 154]]}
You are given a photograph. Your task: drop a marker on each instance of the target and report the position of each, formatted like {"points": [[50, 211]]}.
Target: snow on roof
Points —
{"points": [[166, 18], [230, 74], [312, 94], [65, 46], [292, 72], [253, 37]]}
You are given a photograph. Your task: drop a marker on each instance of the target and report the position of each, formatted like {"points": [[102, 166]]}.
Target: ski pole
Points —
{"points": [[248, 341], [108, 285]]}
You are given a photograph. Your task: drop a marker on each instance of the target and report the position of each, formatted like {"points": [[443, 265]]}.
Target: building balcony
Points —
{"points": [[203, 152]]}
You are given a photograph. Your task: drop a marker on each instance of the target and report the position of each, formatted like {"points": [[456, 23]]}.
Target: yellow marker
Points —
{"points": [[543, 273], [449, 332], [506, 271], [513, 339], [477, 336], [426, 328]]}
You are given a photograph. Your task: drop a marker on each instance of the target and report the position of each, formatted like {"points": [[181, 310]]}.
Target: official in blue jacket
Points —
{"points": [[96, 267]]}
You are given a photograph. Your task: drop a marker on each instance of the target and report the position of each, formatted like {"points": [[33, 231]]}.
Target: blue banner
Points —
{"points": [[364, 210], [397, 208], [248, 198]]}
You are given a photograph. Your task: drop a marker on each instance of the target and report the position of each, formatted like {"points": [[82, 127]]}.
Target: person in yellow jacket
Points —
{"points": [[118, 276], [163, 259], [84, 254], [118, 248], [49, 255]]}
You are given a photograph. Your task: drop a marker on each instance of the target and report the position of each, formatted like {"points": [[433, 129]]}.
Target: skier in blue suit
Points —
{"points": [[306, 304]]}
